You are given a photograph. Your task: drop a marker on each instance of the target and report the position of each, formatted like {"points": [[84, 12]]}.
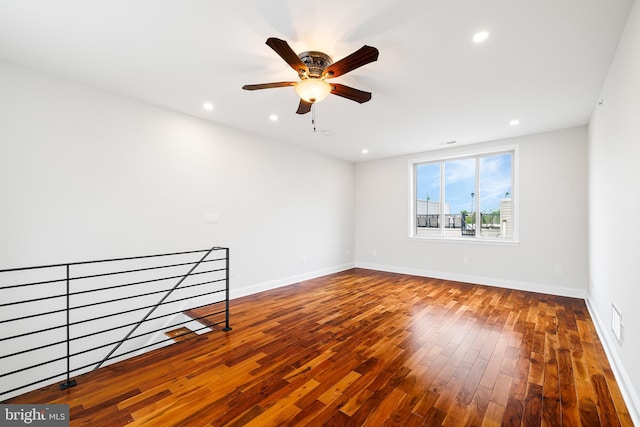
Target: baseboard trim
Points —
{"points": [[286, 281], [629, 394], [478, 280]]}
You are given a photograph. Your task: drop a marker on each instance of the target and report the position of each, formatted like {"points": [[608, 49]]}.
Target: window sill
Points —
{"points": [[472, 241]]}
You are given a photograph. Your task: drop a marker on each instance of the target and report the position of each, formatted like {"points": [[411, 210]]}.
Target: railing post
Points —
{"points": [[69, 382], [226, 301]]}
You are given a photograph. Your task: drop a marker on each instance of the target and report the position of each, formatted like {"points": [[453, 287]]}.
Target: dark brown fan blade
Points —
{"points": [[360, 57], [304, 107], [283, 49], [268, 85], [350, 93]]}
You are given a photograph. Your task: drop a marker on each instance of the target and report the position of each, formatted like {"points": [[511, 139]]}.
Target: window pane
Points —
{"points": [[459, 194], [428, 199], [496, 206]]}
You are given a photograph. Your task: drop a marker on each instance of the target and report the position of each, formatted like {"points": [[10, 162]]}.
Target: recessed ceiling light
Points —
{"points": [[365, 151], [207, 106], [481, 36], [273, 117], [514, 122]]}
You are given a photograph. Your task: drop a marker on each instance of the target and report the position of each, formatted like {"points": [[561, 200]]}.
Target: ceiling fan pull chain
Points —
{"points": [[313, 116]]}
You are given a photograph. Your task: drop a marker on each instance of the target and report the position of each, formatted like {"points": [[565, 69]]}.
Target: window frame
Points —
{"points": [[439, 157]]}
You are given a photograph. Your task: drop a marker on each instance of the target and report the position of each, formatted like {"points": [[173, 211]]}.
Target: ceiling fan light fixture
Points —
{"points": [[313, 90]]}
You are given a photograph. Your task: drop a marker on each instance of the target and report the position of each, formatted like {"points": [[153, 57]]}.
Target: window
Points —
{"points": [[465, 197]]}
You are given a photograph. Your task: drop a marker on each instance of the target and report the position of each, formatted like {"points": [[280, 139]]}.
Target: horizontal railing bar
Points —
{"points": [[113, 273], [208, 315], [33, 366], [8, 270], [216, 248], [18, 353], [31, 316], [121, 299], [44, 282], [143, 282], [32, 333], [206, 305], [109, 288], [62, 374], [7, 304], [22, 285]]}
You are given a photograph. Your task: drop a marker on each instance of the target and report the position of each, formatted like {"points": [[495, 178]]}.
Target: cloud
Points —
{"points": [[459, 170]]}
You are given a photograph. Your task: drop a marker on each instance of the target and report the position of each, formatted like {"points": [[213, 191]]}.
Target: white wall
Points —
{"points": [[553, 221], [86, 174], [614, 206]]}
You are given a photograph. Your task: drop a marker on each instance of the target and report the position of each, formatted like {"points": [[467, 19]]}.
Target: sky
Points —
{"points": [[460, 177]]}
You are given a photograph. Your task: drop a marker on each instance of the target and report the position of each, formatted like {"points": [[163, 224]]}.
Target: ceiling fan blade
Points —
{"points": [[283, 49], [350, 93], [304, 107], [360, 57], [268, 85]]}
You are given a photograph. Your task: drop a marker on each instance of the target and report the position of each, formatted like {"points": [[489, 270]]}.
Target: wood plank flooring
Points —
{"points": [[366, 348]]}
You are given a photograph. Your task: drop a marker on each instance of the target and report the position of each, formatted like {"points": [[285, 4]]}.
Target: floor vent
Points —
{"points": [[616, 323]]}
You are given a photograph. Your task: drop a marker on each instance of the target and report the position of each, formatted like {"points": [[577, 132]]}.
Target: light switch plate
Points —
{"points": [[211, 217]]}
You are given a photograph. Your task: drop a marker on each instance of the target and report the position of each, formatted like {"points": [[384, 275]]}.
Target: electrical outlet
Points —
{"points": [[374, 252], [558, 270], [465, 261]]}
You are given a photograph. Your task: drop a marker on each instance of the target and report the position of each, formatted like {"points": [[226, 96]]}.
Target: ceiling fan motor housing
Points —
{"points": [[313, 68], [316, 62]]}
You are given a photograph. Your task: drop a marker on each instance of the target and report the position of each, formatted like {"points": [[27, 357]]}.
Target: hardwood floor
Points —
{"points": [[366, 348]]}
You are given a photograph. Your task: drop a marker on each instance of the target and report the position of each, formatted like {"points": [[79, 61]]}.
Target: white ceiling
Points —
{"points": [[544, 63]]}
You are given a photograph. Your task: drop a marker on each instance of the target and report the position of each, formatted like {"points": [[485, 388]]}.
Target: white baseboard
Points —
{"points": [[273, 284], [626, 388], [478, 280]]}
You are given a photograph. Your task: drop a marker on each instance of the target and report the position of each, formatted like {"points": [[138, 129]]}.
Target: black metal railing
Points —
{"points": [[433, 221], [61, 320], [464, 221]]}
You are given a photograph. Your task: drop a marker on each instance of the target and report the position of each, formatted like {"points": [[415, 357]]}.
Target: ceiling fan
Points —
{"points": [[314, 68]]}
